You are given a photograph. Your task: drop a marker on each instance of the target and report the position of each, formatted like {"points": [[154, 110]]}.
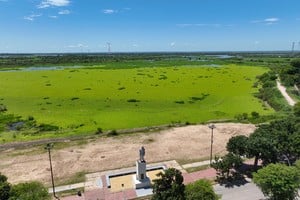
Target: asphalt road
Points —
{"points": [[248, 191]]}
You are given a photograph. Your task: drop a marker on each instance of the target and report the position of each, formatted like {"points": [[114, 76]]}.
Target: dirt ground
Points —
{"points": [[183, 144]]}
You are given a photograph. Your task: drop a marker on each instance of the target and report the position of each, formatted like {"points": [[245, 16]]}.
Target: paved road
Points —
{"points": [[249, 191]]}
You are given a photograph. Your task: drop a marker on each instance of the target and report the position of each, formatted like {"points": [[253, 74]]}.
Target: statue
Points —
{"points": [[142, 154]]}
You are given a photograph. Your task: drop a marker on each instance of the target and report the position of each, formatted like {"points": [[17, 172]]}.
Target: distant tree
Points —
{"points": [[169, 186], [278, 181], [237, 145], [255, 115], [4, 188], [29, 191], [297, 109], [226, 164], [2, 108], [200, 190], [296, 65]]}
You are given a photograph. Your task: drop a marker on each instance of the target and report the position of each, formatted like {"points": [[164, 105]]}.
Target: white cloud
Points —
{"points": [[267, 21], [135, 45], [53, 16], [32, 17], [271, 20], [109, 11], [58, 3], [204, 25], [78, 46], [172, 44], [64, 12]]}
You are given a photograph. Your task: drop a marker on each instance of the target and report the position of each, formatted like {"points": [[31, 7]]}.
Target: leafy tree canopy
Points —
{"points": [[169, 186], [278, 181], [4, 188]]}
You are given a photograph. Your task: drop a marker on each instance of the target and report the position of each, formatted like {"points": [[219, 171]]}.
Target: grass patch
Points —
{"points": [[195, 169], [76, 178], [160, 96]]}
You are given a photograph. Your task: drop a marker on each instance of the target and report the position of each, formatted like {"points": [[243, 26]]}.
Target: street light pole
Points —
{"points": [[48, 147], [212, 126]]}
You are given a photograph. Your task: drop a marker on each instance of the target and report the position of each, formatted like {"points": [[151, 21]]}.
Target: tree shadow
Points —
{"points": [[238, 177], [235, 180]]}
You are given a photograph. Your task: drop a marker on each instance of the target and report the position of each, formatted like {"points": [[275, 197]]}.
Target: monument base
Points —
{"points": [[145, 183]]}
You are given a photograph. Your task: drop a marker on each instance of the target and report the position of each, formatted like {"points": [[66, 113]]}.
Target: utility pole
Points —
{"points": [[108, 47], [48, 147], [212, 127], [293, 47]]}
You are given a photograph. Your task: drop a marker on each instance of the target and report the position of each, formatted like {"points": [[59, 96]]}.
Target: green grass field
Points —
{"points": [[85, 99]]}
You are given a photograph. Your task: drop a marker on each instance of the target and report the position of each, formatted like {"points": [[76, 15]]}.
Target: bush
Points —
{"points": [[48, 127], [200, 190], [297, 109], [255, 115], [3, 108], [99, 131], [4, 188], [133, 100], [29, 191], [112, 133]]}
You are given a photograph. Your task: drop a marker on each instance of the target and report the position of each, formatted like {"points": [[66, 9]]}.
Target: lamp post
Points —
{"points": [[211, 126], [48, 147]]}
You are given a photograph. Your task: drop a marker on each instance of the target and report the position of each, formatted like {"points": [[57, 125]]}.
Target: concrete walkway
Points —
{"points": [[196, 164]]}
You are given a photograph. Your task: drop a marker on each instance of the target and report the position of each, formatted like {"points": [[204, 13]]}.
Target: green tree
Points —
{"points": [[4, 188], [261, 146], [297, 109], [169, 186], [237, 145], [29, 191], [200, 190], [278, 181], [225, 164]]}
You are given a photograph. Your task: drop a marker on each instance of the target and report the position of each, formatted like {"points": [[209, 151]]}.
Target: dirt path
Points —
{"points": [[282, 89], [182, 143]]}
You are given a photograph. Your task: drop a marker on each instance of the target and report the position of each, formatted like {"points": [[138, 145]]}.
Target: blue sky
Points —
{"points": [[43, 26]]}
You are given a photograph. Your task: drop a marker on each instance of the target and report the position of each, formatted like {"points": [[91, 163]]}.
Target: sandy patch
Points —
{"points": [[182, 143]]}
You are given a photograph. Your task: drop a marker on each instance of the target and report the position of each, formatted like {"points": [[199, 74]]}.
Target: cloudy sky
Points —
{"points": [[43, 26]]}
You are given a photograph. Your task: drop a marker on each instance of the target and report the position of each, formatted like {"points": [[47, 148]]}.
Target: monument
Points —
{"points": [[141, 179]]}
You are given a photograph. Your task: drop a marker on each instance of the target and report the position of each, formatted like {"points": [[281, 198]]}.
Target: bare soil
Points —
{"points": [[186, 144]]}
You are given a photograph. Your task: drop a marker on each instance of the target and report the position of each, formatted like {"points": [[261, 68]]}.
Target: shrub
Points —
{"points": [[200, 190], [133, 100], [4, 188], [47, 127], [99, 131], [112, 133], [255, 115], [29, 191]]}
